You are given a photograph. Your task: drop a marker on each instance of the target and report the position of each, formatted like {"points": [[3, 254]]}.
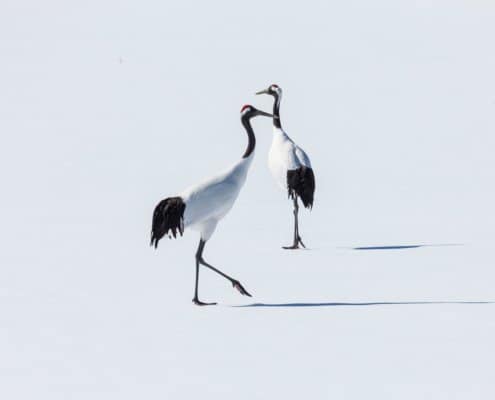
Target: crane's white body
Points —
{"points": [[285, 155], [209, 201]]}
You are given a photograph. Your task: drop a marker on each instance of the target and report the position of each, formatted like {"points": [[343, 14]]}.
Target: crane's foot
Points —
{"points": [[240, 288], [296, 244], [200, 303]]}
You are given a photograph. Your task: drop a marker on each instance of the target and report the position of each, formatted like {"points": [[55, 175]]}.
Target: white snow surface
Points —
{"points": [[108, 107]]}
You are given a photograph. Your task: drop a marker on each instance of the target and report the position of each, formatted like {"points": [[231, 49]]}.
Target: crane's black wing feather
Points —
{"points": [[168, 216], [301, 183]]}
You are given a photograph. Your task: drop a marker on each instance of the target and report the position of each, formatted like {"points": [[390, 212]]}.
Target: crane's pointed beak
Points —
{"points": [[265, 114], [264, 91]]}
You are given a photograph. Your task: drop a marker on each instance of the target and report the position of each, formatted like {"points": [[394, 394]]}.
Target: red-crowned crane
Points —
{"points": [[289, 165], [201, 206]]}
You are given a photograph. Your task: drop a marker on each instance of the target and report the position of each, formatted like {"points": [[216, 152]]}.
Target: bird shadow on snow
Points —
{"points": [[362, 304], [404, 247]]}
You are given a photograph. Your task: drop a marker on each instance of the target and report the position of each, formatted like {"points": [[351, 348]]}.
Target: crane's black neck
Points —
{"points": [[276, 111], [251, 138]]}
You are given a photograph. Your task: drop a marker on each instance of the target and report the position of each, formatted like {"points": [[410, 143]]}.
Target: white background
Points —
{"points": [[108, 106]]}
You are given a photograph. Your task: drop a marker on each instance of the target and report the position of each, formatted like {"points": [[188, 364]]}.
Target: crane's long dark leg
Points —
{"points": [[199, 260], [297, 238], [198, 256]]}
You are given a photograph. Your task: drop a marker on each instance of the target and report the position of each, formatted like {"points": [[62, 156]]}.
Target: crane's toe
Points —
{"points": [[293, 247], [200, 303], [240, 288], [296, 244]]}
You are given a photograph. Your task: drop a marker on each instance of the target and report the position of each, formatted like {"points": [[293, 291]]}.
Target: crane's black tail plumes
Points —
{"points": [[301, 182], [168, 216]]}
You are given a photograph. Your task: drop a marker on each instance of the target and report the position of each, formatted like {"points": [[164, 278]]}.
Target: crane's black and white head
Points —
{"points": [[272, 90], [248, 112]]}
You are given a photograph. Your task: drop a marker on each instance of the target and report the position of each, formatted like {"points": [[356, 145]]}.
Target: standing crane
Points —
{"points": [[201, 206], [289, 165]]}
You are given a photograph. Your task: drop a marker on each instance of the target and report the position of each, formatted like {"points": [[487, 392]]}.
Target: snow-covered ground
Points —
{"points": [[107, 107]]}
